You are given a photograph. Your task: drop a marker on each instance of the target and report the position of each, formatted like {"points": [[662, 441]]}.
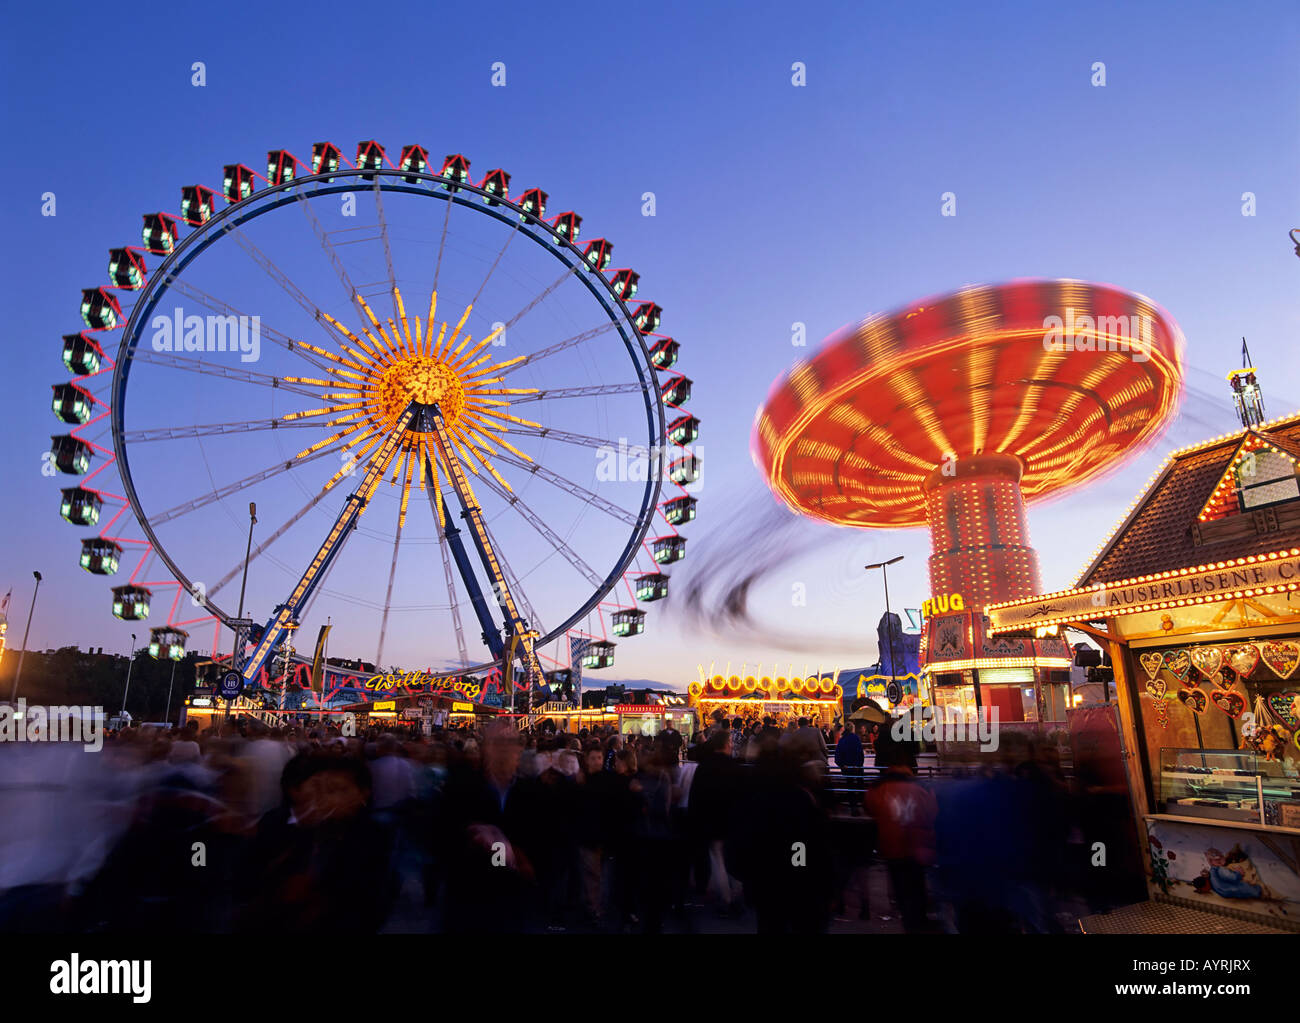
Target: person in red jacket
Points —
{"points": [[905, 812]]}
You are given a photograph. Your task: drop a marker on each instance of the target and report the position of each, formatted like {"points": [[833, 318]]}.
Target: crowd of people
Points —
{"points": [[490, 828]]}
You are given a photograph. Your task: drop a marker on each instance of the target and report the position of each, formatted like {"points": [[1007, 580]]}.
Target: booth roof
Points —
{"points": [[1157, 535]]}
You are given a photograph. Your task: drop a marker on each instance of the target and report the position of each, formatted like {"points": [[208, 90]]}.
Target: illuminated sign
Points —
{"points": [[1252, 576], [942, 605], [469, 688]]}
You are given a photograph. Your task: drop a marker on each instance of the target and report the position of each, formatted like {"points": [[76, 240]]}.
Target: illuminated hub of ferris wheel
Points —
{"points": [[412, 399]]}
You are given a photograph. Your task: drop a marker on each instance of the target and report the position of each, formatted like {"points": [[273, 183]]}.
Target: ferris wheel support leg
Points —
{"points": [[520, 636], [491, 633], [286, 614]]}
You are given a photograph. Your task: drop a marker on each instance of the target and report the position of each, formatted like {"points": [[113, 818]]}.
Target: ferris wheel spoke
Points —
{"points": [[495, 263], [388, 258], [186, 364], [545, 531], [597, 443], [580, 392], [542, 296], [451, 595], [569, 487], [233, 488], [442, 243], [322, 236], [559, 346], [388, 595], [224, 308], [214, 429], [257, 551], [272, 270]]}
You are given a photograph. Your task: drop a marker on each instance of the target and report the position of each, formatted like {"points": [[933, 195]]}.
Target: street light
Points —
{"points": [[129, 665], [243, 585], [167, 715], [18, 672], [889, 621], [252, 521]]}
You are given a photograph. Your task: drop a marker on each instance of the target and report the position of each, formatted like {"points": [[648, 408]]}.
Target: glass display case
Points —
{"points": [[1228, 785]]}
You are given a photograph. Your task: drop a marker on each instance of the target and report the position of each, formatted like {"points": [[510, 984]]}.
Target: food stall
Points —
{"points": [[568, 718], [1197, 596], [818, 699], [653, 718]]}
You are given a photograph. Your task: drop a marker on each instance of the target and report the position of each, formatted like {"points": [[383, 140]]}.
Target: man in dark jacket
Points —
{"points": [[301, 872]]}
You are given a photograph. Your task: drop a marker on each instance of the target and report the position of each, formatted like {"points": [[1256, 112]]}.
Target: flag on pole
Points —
{"points": [[577, 647], [4, 605], [318, 660]]}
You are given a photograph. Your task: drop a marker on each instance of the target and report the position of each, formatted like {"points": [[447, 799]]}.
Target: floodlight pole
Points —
{"points": [[889, 620], [129, 665], [18, 673]]}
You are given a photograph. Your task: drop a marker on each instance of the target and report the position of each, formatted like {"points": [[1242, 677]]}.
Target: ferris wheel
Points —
{"points": [[439, 408]]}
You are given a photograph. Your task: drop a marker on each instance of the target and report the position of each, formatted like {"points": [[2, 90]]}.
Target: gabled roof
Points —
{"points": [[1222, 499], [1157, 535]]}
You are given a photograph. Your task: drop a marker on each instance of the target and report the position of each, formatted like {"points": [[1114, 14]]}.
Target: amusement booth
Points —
{"points": [[653, 718], [1197, 597], [818, 699]]}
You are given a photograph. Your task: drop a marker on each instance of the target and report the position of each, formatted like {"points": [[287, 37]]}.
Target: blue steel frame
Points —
{"points": [[449, 190]]}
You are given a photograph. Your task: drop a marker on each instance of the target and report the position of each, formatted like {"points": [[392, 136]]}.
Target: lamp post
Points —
{"points": [[167, 715], [129, 665], [248, 550], [889, 621], [243, 585], [18, 672]]}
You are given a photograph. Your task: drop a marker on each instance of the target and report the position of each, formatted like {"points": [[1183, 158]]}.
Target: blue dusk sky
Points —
{"points": [[775, 204]]}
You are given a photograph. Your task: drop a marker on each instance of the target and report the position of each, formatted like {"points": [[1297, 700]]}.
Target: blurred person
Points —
{"points": [[781, 845], [714, 791], [488, 815], [301, 873], [904, 811], [392, 776], [811, 738], [652, 836], [266, 757], [185, 747], [849, 758]]}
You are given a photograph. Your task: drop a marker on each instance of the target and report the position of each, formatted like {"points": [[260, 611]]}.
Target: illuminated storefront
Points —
{"points": [[653, 718], [819, 699], [1197, 596]]}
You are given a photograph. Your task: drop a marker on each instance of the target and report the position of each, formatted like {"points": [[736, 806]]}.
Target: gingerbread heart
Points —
{"points": [[1195, 699], [1242, 659], [1157, 688], [1226, 678], [1151, 662], [1207, 660], [1284, 705], [1178, 663], [1231, 704], [1282, 658]]}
